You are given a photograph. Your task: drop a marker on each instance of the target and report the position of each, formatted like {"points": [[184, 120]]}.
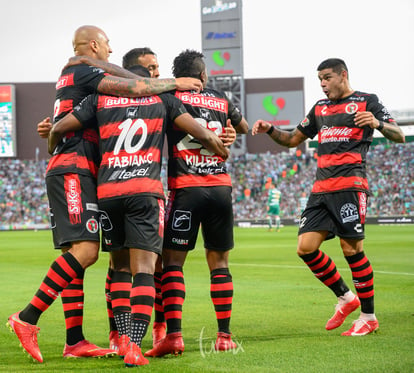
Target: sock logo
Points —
{"points": [[220, 59], [273, 107]]}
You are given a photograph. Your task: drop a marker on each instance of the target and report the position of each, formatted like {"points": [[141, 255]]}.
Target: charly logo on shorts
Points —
{"points": [[92, 225], [349, 212], [181, 220]]}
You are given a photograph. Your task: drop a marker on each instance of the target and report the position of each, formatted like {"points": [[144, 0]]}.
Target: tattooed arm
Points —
{"points": [[390, 131], [122, 82], [290, 139], [110, 68], [138, 87]]}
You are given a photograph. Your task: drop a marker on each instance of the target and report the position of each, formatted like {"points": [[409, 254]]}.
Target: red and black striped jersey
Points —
{"points": [[78, 152], [189, 163], [342, 146], [131, 133]]}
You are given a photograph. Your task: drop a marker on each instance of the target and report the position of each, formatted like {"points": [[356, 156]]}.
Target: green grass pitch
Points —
{"points": [[279, 309]]}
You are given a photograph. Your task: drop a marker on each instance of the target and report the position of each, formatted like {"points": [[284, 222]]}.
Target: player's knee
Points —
{"points": [[304, 250], [86, 252]]}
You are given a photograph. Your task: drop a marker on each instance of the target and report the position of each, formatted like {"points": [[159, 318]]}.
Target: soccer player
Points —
{"points": [[117, 275], [344, 122], [130, 192], [199, 193], [273, 206], [302, 202], [147, 58], [71, 188], [144, 57]]}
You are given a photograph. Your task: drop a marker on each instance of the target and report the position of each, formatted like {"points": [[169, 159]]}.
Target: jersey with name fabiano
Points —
{"points": [[131, 132], [342, 146], [189, 163], [78, 152]]}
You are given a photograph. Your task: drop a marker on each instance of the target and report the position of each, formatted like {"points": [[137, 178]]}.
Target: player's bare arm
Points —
{"points": [[206, 137], [290, 139], [243, 126], [44, 127], [391, 131], [58, 131], [139, 87]]}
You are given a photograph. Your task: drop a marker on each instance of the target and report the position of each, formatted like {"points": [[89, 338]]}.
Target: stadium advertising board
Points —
{"points": [[223, 62], [7, 121], [279, 101], [221, 29]]}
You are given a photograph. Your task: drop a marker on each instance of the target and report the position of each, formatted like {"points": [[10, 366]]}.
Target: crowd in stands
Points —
{"points": [[390, 167], [23, 199]]}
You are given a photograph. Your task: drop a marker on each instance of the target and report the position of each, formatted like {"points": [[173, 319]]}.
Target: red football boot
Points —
{"points": [[224, 342], [341, 313], [172, 344], [27, 334]]}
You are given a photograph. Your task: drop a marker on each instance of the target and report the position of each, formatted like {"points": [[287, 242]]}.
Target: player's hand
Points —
{"points": [[229, 135], [366, 118], [227, 154], [75, 60], [261, 126], [189, 84], [44, 127]]}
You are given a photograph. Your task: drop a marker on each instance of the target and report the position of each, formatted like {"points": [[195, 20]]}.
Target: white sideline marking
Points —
{"points": [[300, 267]]}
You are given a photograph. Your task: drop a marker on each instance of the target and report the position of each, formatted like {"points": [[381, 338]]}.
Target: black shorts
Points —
{"points": [[342, 214], [187, 208], [74, 213], [133, 222]]}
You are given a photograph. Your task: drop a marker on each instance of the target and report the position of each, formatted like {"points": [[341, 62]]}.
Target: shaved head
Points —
{"points": [[91, 41]]}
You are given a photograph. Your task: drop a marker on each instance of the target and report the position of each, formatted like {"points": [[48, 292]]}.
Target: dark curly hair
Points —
{"points": [[188, 63]]}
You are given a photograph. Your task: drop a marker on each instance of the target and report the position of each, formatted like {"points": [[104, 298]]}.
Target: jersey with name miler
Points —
{"points": [[342, 146], [189, 163], [131, 132]]}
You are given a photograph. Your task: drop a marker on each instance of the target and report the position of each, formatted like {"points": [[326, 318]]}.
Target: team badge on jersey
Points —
{"points": [[349, 212], [305, 122], [181, 220], [351, 108], [92, 225]]}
